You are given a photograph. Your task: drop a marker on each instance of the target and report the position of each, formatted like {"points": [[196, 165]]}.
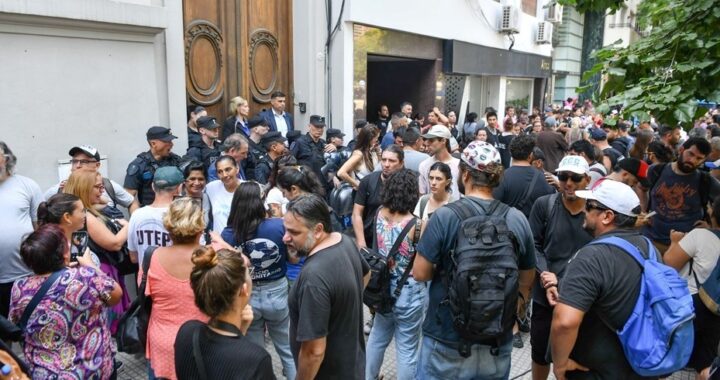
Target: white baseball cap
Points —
{"points": [[575, 164], [615, 195], [439, 131]]}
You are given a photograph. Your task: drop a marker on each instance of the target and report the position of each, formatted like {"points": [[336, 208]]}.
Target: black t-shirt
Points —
{"points": [[604, 282], [558, 235], [514, 188], [225, 357], [503, 147], [326, 301], [369, 195]]}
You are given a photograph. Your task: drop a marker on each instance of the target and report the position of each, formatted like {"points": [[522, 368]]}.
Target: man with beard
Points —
{"points": [[368, 199], [326, 309], [679, 193], [599, 290], [480, 172], [670, 135], [21, 197], [557, 224]]}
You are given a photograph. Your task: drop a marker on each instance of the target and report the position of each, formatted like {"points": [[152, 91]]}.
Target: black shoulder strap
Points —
{"points": [[401, 237], [110, 190], [526, 195], [38, 297], [406, 273], [704, 190], [145, 267], [197, 354]]}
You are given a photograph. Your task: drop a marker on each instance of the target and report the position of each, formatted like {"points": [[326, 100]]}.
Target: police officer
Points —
{"points": [[335, 137], [140, 172], [209, 150], [258, 128], [310, 149], [274, 144]]}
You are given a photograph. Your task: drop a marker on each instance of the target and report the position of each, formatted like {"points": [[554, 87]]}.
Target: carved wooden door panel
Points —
{"points": [[237, 48]]}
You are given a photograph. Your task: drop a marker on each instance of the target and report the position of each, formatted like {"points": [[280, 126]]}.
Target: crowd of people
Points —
{"points": [[458, 238]]}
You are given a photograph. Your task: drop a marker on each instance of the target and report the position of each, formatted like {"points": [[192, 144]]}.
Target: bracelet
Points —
{"points": [[551, 286]]}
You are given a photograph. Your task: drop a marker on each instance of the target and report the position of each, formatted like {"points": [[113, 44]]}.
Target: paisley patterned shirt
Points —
{"points": [[67, 336]]}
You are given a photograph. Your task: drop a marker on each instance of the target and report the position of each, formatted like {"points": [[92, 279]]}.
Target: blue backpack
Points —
{"points": [[658, 337]]}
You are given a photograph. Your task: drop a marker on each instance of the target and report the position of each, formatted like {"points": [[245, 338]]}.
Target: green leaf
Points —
{"points": [[685, 112], [617, 71]]}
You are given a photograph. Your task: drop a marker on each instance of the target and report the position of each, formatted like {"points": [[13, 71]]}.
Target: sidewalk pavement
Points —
{"points": [[136, 368]]}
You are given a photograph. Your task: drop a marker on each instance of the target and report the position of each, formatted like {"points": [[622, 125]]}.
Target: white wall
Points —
{"points": [[88, 72], [460, 20], [448, 19]]}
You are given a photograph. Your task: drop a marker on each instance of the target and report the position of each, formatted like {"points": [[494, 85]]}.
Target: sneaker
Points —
{"points": [[368, 325], [517, 341]]}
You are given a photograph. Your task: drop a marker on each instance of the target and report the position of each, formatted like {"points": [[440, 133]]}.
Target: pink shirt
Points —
{"points": [[173, 304]]}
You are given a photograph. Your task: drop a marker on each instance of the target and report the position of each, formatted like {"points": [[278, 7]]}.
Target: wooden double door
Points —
{"points": [[237, 48]]}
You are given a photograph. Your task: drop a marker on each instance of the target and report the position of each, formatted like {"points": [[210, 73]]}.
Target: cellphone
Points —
{"points": [[78, 245]]}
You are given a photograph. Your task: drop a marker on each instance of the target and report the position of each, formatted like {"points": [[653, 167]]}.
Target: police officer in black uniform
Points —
{"points": [[310, 149], [209, 150], [140, 172], [258, 128], [274, 144]]}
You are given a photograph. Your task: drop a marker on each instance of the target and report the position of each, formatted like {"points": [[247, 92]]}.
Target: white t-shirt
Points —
{"points": [[275, 196], [221, 200], [424, 173], [703, 246], [146, 230]]}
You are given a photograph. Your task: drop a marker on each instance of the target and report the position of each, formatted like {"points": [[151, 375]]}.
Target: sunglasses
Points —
{"points": [[589, 206], [563, 177]]}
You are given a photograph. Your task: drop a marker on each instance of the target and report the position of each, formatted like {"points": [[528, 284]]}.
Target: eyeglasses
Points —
{"points": [[82, 162], [589, 206], [563, 177], [100, 187]]}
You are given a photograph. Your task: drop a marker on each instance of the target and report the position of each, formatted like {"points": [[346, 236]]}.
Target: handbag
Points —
{"points": [[119, 259], [131, 336]]}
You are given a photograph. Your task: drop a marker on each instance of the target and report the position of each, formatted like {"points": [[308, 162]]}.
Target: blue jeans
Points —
{"points": [[439, 361], [270, 310], [405, 324]]}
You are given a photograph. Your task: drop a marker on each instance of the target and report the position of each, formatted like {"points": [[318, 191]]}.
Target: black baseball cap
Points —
{"points": [[87, 150], [272, 137], [160, 133], [318, 121], [637, 168], [207, 122], [332, 132], [257, 121]]}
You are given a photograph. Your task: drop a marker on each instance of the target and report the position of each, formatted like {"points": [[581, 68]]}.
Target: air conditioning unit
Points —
{"points": [[553, 13], [544, 33], [509, 21]]}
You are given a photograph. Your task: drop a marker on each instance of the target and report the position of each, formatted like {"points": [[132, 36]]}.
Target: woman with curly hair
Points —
{"points": [[221, 282], [403, 320], [364, 159]]}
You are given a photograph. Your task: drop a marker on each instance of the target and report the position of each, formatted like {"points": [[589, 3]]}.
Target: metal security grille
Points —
{"points": [[454, 86]]}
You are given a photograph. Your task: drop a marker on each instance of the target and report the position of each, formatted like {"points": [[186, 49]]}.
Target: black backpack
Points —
{"points": [[482, 281]]}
